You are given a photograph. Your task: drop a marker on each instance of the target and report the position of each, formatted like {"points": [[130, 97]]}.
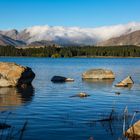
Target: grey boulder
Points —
{"points": [[99, 74]]}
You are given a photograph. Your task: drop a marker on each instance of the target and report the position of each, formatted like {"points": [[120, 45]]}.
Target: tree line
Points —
{"points": [[87, 51]]}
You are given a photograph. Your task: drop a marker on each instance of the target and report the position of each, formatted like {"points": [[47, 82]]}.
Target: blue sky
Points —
{"points": [[84, 13]]}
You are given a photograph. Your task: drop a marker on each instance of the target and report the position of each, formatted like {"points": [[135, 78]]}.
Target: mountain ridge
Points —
{"points": [[129, 39], [70, 36], [7, 41]]}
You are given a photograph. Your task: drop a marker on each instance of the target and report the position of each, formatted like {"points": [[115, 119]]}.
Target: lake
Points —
{"points": [[53, 115]]}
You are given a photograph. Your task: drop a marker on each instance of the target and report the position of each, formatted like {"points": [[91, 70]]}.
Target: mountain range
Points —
{"points": [[122, 34]]}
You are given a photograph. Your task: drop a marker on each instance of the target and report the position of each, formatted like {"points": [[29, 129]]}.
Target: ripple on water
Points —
{"points": [[52, 114]]}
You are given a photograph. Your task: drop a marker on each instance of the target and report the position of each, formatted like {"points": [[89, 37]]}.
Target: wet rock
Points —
{"points": [[61, 79], [69, 80], [81, 95], [12, 75], [99, 74], [134, 131], [126, 82]]}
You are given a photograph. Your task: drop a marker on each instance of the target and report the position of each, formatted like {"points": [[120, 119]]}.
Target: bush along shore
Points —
{"points": [[87, 51]]}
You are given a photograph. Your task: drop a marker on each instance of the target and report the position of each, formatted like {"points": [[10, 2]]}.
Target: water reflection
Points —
{"points": [[98, 84], [12, 97]]}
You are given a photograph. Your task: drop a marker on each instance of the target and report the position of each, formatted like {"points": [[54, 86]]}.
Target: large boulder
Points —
{"points": [[99, 74], [134, 131], [60, 79], [12, 75], [126, 82]]}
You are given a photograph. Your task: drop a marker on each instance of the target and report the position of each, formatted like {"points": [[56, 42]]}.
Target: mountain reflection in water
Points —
{"points": [[13, 97], [98, 84]]}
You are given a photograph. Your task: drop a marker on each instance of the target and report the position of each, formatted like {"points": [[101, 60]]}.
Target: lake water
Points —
{"points": [[53, 115]]}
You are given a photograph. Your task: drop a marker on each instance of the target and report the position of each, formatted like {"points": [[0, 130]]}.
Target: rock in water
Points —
{"points": [[100, 74], [59, 79], [81, 95], [126, 82], [69, 80], [134, 131], [12, 75]]}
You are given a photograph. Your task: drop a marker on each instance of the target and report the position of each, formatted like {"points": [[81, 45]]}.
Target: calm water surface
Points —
{"points": [[53, 115]]}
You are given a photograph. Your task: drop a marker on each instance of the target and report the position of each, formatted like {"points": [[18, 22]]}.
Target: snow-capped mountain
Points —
{"points": [[71, 35]]}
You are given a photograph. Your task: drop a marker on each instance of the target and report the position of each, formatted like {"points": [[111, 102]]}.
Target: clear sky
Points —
{"points": [[84, 13]]}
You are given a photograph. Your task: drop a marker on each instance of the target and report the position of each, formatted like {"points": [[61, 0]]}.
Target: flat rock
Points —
{"points": [[69, 80], [134, 131], [12, 75], [99, 74], [60, 79], [126, 82]]}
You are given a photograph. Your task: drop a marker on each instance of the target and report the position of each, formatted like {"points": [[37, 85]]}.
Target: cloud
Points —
{"points": [[80, 35]]}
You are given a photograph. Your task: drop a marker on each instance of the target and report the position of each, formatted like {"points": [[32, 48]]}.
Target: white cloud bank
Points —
{"points": [[80, 35]]}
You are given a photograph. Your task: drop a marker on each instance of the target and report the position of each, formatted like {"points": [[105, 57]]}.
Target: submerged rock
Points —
{"points": [[117, 93], [60, 79], [99, 74], [126, 82], [12, 75], [134, 131], [81, 95]]}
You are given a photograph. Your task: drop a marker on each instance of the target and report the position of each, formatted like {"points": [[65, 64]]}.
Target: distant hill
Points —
{"points": [[41, 43], [10, 33], [7, 41], [129, 39], [122, 34]]}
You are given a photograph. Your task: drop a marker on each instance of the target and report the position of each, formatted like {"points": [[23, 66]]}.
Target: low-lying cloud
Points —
{"points": [[80, 35]]}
